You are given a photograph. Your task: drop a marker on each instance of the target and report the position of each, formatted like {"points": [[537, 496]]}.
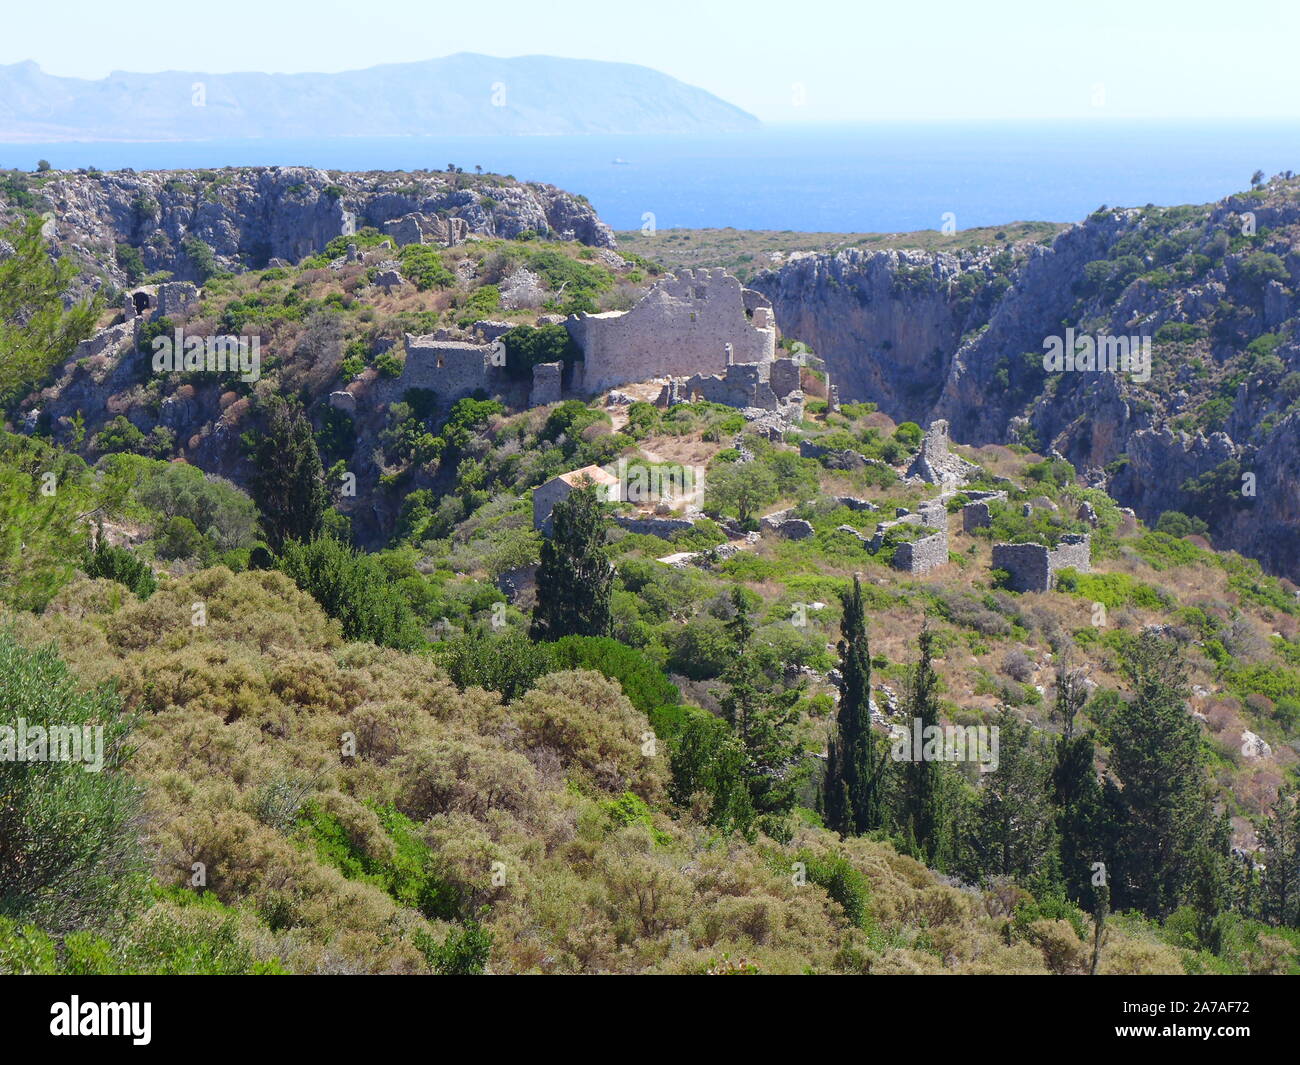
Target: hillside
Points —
{"points": [[747, 252], [365, 715], [1211, 289], [456, 95]]}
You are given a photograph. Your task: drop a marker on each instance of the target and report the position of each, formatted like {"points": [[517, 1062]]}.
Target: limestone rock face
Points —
{"points": [[249, 216], [960, 337]]}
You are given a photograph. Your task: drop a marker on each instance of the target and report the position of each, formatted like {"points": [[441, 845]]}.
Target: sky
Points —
{"points": [[805, 61]]}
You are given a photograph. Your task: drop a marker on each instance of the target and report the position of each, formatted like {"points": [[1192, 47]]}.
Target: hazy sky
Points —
{"points": [[803, 60]]}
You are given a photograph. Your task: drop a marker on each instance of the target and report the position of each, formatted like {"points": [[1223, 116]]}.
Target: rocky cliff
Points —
{"points": [[247, 216], [1211, 291]]}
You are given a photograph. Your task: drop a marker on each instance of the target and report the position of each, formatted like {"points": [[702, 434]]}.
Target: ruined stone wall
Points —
{"points": [[452, 368], [739, 386], [923, 555], [784, 377], [107, 340], [175, 298], [935, 463], [934, 514], [1027, 566], [661, 527], [546, 384], [1033, 567], [1074, 552], [545, 496], [978, 513], [681, 327], [419, 228]]}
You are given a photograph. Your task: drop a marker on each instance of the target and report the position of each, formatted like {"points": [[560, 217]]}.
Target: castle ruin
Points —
{"points": [[698, 322]]}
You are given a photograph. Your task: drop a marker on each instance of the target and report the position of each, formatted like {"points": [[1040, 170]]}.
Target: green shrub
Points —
{"points": [[528, 346], [843, 882], [508, 662], [1175, 523], [71, 855], [464, 952], [423, 266], [118, 564], [118, 435], [351, 587], [642, 680]]}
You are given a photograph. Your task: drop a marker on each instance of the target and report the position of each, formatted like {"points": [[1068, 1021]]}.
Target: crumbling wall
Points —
{"points": [[1026, 565], [547, 378], [664, 528], [174, 298], [935, 463], [1073, 552], [923, 555], [691, 323], [784, 377], [978, 514], [545, 496], [740, 385], [452, 368], [1033, 567]]}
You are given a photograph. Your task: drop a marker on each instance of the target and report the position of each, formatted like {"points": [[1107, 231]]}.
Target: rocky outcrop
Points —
{"points": [[962, 337], [248, 216]]}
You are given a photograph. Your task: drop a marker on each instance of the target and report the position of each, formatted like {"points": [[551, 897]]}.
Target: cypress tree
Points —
{"points": [[1279, 836], [923, 815], [763, 720], [851, 802], [289, 482], [1013, 832], [575, 581], [1156, 753], [1076, 793]]}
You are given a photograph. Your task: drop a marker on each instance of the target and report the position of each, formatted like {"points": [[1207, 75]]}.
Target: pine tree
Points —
{"points": [[37, 329], [852, 795], [575, 580], [1156, 753], [289, 482]]}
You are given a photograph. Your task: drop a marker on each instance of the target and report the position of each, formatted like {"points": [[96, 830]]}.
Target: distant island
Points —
{"points": [[462, 94]]}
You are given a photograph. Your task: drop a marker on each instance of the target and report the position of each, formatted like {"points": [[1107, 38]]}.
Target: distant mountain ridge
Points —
{"points": [[462, 94]]}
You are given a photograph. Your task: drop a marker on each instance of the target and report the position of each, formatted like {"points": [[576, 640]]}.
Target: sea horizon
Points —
{"points": [[882, 176]]}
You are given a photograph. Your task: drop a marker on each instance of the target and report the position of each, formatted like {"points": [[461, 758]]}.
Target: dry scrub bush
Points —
{"points": [[525, 809]]}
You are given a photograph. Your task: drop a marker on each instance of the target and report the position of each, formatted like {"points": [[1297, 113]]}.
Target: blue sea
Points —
{"points": [[882, 177]]}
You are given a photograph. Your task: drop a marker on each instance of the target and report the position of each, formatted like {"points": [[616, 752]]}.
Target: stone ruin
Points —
{"points": [[782, 524], [762, 386], [936, 464], [925, 553], [419, 228], [702, 320], [547, 377], [166, 300], [697, 322], [1033, 567], [977, 514], [454, 369]]}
